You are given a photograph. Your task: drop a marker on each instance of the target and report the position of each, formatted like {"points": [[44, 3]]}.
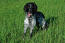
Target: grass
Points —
{"points": [[12, 21]]}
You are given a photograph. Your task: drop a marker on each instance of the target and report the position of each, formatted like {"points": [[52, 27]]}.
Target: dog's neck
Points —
{"points": [[30, 18]]}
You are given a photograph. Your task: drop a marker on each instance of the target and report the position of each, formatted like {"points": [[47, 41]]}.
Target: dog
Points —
{"points": [[33, 17]]}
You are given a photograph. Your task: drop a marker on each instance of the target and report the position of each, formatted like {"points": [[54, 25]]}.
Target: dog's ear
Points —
{"points": [[35, 7], [25, 7]]}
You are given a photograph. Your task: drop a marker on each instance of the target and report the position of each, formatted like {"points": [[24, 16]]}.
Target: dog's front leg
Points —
{"points": [[25, 28], [31, 29], [33, 23], [26, 24]]}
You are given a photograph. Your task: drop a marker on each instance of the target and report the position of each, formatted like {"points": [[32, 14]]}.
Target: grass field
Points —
{"points": [[12, 21]]}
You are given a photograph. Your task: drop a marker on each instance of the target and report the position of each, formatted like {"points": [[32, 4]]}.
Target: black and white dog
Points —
{"points": [[33, 17]]}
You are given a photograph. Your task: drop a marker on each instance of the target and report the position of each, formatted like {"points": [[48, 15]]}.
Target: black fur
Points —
{"points": [[30, 7]]}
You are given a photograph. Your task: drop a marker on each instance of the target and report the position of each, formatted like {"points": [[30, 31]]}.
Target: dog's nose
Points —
{"points": [[29, 14]]}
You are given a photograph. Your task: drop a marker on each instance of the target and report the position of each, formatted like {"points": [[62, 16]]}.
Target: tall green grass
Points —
{"points": [[12, 21]]}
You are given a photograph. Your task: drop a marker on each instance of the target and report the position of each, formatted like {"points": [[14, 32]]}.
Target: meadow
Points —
{"points": [[12, 21]]}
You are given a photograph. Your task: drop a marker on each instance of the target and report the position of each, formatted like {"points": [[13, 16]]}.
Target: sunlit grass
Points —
{"points": [[12, 21]]}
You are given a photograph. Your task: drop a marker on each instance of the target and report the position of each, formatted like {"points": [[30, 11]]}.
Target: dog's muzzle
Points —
{"points": [[29, 14]]}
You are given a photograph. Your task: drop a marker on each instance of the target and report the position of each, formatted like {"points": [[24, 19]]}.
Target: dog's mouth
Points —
{"points": [[29, 14]]}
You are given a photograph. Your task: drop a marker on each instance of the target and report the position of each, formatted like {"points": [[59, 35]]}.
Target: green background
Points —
{"points": [[12, 21]]}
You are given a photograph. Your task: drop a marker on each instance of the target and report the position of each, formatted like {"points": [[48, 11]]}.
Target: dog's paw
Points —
{"points": [[31, 35], [24, 34]]}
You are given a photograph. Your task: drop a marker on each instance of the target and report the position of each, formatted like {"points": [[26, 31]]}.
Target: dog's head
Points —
{"points": [[30, 7]]}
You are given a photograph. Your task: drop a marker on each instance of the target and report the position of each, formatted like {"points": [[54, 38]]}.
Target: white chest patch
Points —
{"points": [[26, 21]]}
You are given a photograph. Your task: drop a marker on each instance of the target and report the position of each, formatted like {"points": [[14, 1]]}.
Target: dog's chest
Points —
{"points": [[30, 20]]}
